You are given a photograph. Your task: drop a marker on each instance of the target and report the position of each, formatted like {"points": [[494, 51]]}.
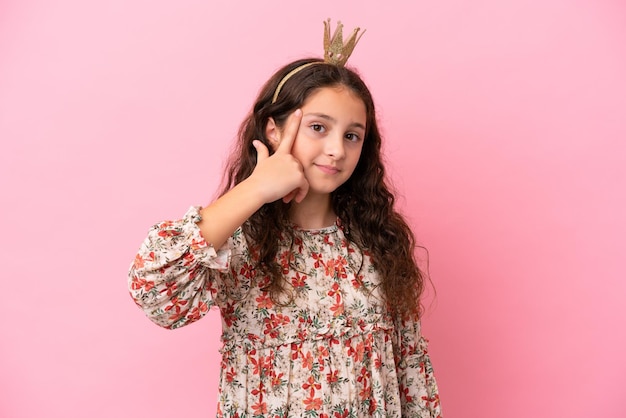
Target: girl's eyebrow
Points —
{"points": [[333, 120]]}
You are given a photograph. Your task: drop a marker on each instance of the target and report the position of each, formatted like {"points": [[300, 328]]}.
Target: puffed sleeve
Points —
{"points": [[418, 388], [171, 278]]}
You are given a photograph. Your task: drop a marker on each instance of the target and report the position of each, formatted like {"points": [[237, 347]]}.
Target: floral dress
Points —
{"points": [[329, 349]]}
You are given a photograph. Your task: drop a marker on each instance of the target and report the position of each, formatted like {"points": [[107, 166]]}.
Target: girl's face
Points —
{"points": [[330, 137]]}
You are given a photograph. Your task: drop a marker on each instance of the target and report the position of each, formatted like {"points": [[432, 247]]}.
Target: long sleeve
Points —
{"points": [[418, 387], [171, 278]]}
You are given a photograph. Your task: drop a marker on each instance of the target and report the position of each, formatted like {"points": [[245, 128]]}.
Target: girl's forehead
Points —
{"points": [[339, 99], [339, 90]]}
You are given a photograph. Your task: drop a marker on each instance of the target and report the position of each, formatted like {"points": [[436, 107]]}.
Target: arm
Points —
{"points": [[222, 217], [171, 278], [418, 388], [274, 177]]}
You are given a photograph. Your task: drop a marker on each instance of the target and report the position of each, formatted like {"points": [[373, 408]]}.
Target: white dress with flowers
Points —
{"points": [[330, 350]]}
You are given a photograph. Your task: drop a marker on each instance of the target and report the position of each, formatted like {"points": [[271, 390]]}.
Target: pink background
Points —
{"points": [[506, 129]]}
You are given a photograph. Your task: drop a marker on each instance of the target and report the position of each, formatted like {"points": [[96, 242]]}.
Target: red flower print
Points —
{"points": [[264, 301], [247, 271], [138, 263], [198, 311], [313, 404], [260, 408], [334, 291], [166, 224], [256, 370], [357, 282], [166, 233], [422, 367], [345, 244], [264, 282], [329, 268], [358, 352], [296, 351], [259, 365], [188, 259], [198, 244], [336, 267], [230, 375], [363, 376], [170, 287], [378, 364], [228, 315], [277, 380], [373, 405], [433, 400], [274, 322], [298, 281], [333, 340], [176, 304], [311, 384], [318, 259], [307, 361], [365, 393], [341, 267], [138, 283], [337, 309], [176, 316], [209, 285], [322, 353], [285, 258], [404, 392], [332, 377], [298, 243]]}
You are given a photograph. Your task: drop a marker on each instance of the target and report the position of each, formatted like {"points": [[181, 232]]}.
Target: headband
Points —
{"points": [[335, 52]]}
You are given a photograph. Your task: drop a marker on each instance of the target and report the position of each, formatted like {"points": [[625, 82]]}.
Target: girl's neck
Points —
{"points": [[314, 212]]}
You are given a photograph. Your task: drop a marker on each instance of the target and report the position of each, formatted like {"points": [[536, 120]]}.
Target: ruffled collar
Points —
{"points": [[318, 231]]}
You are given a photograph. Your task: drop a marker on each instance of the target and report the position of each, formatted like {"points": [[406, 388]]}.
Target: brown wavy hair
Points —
{"points": [[364, 203]]}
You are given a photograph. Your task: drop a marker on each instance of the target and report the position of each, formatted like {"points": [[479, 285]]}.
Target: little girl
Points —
{"points": [[306, 258]]}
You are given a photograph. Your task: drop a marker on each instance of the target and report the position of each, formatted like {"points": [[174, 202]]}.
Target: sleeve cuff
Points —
{"points": [[201, 249]]}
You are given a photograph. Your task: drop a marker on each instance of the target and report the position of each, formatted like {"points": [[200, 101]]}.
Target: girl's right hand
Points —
{"points": [[280, 175]]}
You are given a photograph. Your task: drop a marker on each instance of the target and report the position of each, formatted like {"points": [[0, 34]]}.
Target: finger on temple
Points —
{"points": [[290, 132]]}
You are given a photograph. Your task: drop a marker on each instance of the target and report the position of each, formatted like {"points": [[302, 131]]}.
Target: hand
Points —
{"points": [[281, 175]]}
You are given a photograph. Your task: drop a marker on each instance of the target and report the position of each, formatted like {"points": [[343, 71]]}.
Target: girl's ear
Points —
{"points": [[272, 133]]}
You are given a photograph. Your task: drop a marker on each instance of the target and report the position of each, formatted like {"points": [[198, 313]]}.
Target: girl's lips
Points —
{"points": [[328, 169]]}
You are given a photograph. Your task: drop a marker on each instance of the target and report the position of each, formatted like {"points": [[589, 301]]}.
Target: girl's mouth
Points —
{"points": [[328, 169]]}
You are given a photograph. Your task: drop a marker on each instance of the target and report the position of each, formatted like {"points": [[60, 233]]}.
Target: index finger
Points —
{"points": [[290, 132]]}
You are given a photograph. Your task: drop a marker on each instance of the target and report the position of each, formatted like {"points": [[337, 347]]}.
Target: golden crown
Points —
{"points": [[335, 52]]}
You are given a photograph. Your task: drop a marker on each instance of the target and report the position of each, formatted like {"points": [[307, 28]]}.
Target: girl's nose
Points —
{"points": [[334, 146]]}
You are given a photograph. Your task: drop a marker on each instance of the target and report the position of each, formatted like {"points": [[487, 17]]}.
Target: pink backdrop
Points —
{"points": [[506, 136]]}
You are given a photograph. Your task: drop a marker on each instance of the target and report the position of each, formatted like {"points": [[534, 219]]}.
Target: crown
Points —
{"points": [[335, 52]]}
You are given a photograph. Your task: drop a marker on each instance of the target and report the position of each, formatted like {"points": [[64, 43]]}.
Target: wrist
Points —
{"points": [[253, 191]]}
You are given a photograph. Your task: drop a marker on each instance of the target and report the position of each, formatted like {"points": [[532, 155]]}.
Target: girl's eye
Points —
{"points": [[317, 127], [352, 137]]}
